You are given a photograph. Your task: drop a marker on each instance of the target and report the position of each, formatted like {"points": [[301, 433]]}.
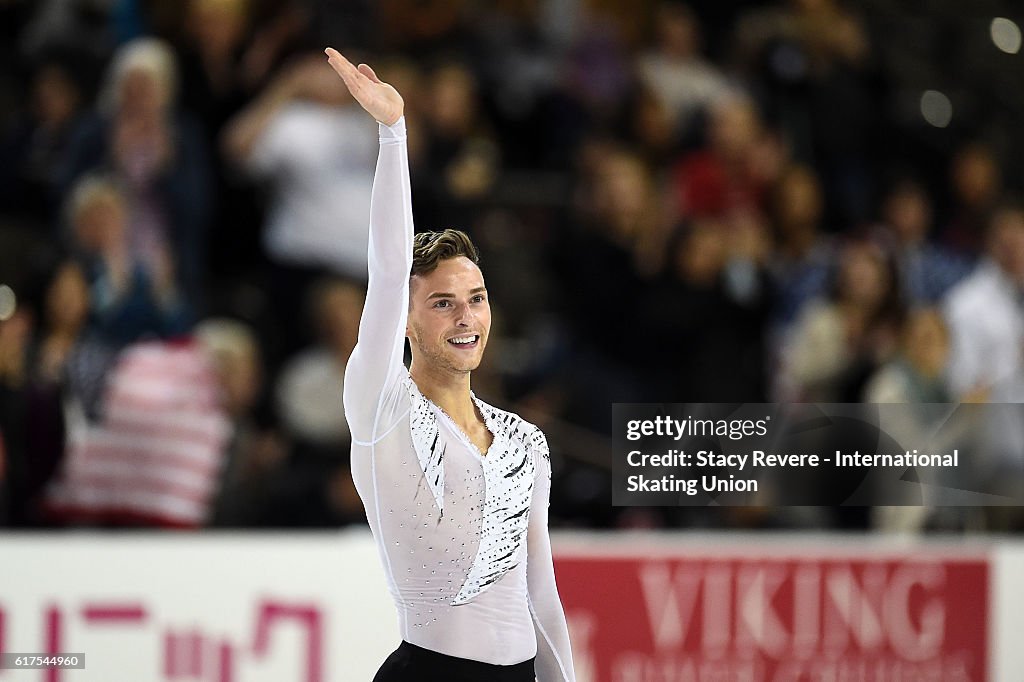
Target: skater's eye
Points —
{"points": [[442, 304], [479, 298]]}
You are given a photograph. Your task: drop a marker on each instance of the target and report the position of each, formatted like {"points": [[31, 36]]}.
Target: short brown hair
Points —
{"points": [[430, 248]]}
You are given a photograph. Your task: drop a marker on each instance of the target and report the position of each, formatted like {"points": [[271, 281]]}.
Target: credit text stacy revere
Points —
{"points": [[690, 486]]}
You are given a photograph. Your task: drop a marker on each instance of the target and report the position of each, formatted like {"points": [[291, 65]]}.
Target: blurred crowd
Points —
{"points": [[718, 201]]}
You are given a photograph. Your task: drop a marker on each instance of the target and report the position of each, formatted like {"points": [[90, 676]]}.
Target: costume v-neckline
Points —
{"points": [[480, 405], [483, 454]]}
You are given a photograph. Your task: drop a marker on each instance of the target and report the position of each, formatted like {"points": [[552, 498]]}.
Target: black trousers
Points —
{"points": [[410, 663]]}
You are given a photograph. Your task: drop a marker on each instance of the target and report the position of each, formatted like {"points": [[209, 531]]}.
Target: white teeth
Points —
{"points": [[464, 339]]}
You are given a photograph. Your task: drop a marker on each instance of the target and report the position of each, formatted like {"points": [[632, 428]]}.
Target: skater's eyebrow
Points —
{"points": [[445, 294]]}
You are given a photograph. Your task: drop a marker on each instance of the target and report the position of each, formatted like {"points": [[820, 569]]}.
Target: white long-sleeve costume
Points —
{"points": [[463, 537]]}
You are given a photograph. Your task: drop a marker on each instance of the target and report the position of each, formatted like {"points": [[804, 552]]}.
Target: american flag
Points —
{"points": [[156, 454]]}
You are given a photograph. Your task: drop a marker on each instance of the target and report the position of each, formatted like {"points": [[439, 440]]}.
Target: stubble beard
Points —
{"points": [[440, 358]]}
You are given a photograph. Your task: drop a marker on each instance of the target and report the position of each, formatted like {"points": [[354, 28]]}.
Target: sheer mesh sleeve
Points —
{"points": [[374, 371], [554, 657]]}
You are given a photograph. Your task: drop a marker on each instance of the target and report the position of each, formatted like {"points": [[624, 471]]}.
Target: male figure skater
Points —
{"points": [[456, 491]]}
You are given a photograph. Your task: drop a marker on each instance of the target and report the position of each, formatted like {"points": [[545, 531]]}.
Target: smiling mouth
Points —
{"points": [[468, 341]]}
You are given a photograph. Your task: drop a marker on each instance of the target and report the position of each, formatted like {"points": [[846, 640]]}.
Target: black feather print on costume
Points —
{"points": [[508, 470]]}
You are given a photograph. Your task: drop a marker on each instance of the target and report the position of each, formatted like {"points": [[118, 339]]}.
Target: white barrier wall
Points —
{"points": [[210, 607], [643, 608], [1008, 612]]}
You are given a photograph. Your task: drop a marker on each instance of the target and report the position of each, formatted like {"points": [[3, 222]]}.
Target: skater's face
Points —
{"points": [[449, 316]]}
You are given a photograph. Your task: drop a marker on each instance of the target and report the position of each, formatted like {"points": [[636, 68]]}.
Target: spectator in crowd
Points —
{"points": [[137, 466], [69, 355], [803, 254], [838, 342], [33, 151], [52, 373], [597, 72], [704, 323], [918, 373], [458, 145], [984, 310], [916, 376], [309, 385], [131, 297], [256, 452], [682, 80], [926, 271], [987, 317], [31, 427], [726, 175], [986, 321], [15, 336], [976, 183]]}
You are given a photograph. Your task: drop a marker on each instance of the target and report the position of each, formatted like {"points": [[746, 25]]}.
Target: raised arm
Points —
{"points": [[375, 367], [554, 655]]}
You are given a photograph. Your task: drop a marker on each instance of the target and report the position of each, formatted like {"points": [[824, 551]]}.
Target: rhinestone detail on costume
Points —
{"points": [[508, 469]]}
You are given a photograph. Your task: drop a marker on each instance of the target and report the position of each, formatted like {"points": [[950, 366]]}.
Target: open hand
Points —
{"points": [[378, 98]]}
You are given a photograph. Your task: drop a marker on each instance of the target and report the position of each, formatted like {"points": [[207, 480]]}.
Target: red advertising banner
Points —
{"points": [[793, 618]]}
